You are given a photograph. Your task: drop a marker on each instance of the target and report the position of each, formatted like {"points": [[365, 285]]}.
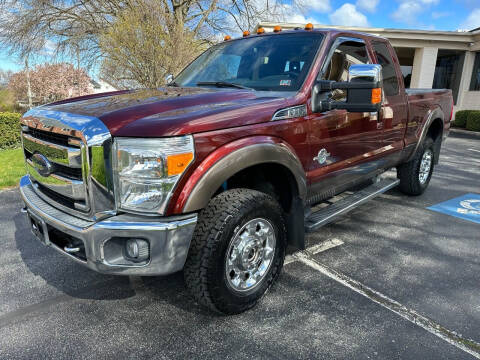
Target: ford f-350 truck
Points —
{"points": [[218, 172]]}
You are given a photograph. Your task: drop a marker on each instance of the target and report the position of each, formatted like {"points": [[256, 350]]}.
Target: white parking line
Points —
{"points": [[467, 345], [474, 150], [315, 249]]}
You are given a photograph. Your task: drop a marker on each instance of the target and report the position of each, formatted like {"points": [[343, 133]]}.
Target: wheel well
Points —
{"points": [[271, 178], [279, 182], [436, 129]]}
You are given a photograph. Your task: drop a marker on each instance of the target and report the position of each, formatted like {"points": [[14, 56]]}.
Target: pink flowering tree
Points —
{"points": [[50, 82]]}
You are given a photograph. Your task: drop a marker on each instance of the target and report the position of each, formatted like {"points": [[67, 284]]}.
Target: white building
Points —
{"points": [[101, 86], [430, 59]]}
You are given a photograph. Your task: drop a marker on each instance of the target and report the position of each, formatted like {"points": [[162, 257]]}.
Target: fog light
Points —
{"points": [[137, 250]]}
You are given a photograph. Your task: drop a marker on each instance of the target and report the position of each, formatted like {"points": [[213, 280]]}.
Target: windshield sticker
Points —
{"points": [[285, 82]]}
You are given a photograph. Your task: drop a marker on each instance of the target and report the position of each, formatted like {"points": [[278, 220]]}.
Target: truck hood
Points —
{"points": [[173, 111]]}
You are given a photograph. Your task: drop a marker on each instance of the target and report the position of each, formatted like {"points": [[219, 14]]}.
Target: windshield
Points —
{"points": [[274, 63]]}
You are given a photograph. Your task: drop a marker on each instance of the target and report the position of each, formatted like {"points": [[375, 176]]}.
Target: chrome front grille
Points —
{"points": [[65, 182], [68, 161]]}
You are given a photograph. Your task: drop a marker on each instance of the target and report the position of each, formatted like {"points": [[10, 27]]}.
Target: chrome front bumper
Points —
{"points": [[168, 238]]}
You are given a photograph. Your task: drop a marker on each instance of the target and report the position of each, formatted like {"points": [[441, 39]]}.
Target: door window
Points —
{"points": [[390, 81], [346, 54]]}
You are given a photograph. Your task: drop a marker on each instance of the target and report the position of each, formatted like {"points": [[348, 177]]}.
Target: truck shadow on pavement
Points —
{"points": [[79, 282], [63, 273]]}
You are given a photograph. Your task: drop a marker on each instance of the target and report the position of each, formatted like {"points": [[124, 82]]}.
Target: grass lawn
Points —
{"points": [[12, 167]]}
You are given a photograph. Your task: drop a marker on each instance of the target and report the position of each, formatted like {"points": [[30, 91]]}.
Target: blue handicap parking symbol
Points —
{"points": [[465, 207]]}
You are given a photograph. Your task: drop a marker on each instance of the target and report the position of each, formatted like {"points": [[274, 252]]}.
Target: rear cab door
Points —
{"points": [[394, 111]]}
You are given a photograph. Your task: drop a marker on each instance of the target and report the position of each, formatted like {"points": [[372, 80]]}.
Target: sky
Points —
{"points": [[401, 14]]}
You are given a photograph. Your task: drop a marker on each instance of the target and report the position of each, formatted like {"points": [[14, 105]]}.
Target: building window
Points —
{"points": [[448, 71], [405, 57], [390, 81], [475, 83]]}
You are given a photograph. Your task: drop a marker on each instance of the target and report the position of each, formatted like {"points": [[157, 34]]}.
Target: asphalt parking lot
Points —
{"points": [[390, 280]]}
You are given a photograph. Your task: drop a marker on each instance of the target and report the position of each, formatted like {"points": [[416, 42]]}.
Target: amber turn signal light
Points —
{"points": [[227, 37], [176, 164], [376, 95], [277, 28], [309, 26], [260, 30], [246, 33]]}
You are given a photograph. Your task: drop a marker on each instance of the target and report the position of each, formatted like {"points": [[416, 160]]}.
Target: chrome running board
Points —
{"points": [[329, 213]]}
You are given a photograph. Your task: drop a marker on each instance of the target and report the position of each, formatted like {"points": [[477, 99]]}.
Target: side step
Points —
{"points": [[329, 213]]}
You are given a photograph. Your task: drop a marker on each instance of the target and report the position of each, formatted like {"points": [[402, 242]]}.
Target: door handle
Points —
{"points": [[374, 116]]}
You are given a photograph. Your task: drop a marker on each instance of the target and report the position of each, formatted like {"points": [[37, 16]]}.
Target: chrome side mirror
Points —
{"points": [[169, 78], [363, 88], [365, 73]]}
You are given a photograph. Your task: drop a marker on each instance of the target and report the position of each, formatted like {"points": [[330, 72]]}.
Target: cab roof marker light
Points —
{"points": [[246, 33], [309, 26], [227, 37], [277, 28], [260, 30]]}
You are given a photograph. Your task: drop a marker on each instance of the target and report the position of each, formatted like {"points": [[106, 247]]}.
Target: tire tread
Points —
{"points": [[408, 172], [206, 239]]}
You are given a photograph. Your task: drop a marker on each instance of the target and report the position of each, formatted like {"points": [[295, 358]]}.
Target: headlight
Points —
{"points": [[147, 170]]}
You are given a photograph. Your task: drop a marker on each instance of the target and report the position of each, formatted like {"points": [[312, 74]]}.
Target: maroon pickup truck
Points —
{"points": [[221, 170]]}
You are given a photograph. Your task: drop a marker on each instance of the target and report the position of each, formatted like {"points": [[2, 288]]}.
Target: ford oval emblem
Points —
{"points": [[41, 164]]}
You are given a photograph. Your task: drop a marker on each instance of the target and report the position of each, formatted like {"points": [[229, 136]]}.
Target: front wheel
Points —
{"points": [[415, 175], [237, 250]]}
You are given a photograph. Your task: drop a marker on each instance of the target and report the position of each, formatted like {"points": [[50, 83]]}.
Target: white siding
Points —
{"points": [[424, 67]]}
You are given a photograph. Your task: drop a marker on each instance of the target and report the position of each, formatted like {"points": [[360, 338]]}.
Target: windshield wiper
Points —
{"points": [[223, 84]]}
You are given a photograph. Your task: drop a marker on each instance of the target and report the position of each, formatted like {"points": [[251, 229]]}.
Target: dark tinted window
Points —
{"points": [[273, 62], [475, 83], [390, 82]]}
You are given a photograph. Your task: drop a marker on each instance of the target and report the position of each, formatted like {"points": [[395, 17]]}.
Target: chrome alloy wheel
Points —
{"points": [[250, 255], [425, 166]]}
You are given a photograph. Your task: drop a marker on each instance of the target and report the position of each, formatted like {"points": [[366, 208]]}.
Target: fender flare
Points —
{"points": [[246, 153], [432, 115]]}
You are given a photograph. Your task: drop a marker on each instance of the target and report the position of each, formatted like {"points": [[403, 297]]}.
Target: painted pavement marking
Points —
{"points": [[469, 346], [315, 249], [466, 207]]}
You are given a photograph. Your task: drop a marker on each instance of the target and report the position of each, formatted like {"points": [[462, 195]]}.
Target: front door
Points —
{"points": [[343, 144]]}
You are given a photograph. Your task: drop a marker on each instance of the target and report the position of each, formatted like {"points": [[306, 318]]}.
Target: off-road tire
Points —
{"points": [[408, 172], [204, 270]]}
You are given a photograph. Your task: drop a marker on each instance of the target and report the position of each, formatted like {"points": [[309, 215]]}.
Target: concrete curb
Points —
{"points": [[10, 188], [465, 132]]}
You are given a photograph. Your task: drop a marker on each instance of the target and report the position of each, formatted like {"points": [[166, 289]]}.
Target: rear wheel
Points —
{"points": [[237, 250], [415, 175]]}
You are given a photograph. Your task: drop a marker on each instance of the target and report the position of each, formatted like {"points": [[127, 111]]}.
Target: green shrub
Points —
{"points": [[9, 130], [473, 121], [461, 118]]}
